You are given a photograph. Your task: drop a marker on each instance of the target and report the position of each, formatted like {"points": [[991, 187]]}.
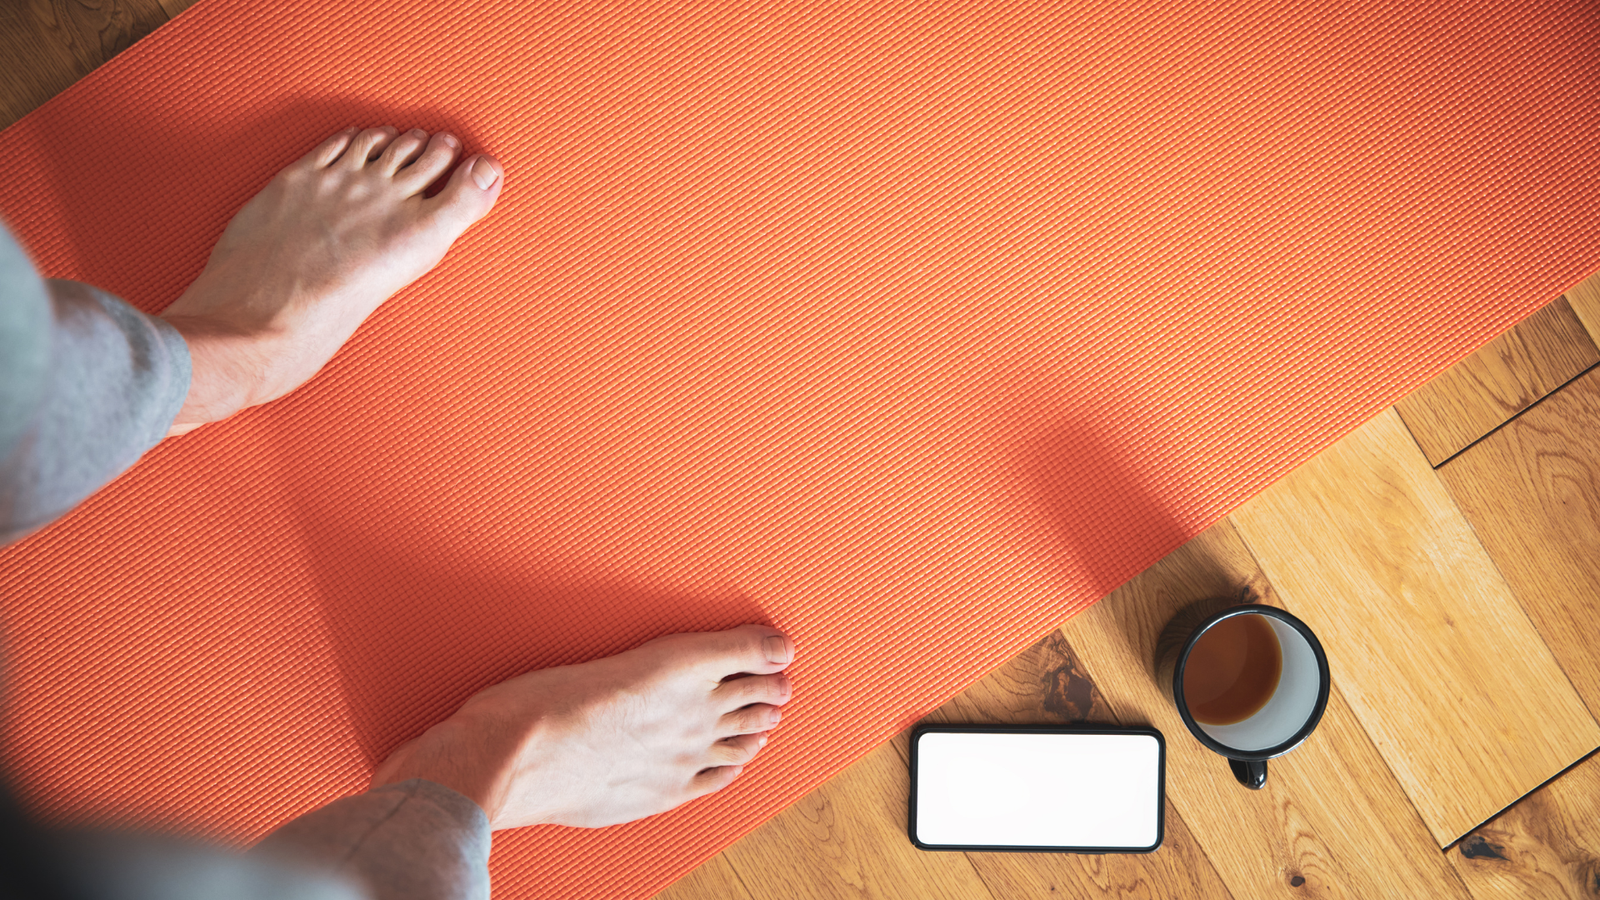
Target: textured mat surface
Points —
{"points": [[910, 328]]}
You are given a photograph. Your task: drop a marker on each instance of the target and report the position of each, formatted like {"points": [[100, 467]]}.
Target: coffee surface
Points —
{"points": [[1232, 671]]}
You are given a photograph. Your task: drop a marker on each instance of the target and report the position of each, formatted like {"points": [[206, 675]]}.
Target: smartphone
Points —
{"points": [[1037, 788]]}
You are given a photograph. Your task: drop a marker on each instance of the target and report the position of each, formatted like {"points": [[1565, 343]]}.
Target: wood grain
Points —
{"points": [[1545, 847], [1332, 821], [711, 880], [1584, 298], [847, 839], [1435, 655], [1532, 493], [50, 44], [1488, 388], [1046, 684]]}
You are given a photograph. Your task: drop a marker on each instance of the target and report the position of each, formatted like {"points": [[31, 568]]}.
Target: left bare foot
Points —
{"points": [[310, 257]]}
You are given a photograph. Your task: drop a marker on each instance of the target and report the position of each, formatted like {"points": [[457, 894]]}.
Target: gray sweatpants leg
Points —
{"points": [[87, 385]]}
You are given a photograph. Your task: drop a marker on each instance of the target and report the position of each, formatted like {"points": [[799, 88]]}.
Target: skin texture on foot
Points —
{"points": [[304, 263], [612, 740]]}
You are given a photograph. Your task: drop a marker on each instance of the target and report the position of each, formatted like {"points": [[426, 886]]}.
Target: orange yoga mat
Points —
{"points": [[909, 327]]}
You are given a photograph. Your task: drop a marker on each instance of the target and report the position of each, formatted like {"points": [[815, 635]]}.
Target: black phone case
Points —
{"points": [[1161, 785]]}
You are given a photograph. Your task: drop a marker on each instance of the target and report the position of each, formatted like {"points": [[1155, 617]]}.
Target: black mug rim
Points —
{"points": [[1324, 684]]}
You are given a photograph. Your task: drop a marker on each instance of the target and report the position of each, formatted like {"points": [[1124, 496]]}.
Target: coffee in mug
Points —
{"points": [[1233, 671], [1250, 682]]}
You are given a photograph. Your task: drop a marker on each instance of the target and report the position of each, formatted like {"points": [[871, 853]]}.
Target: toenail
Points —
{"points": [[761, 742], [418, 133], [449, 140], [483, 173], [776, 649]]}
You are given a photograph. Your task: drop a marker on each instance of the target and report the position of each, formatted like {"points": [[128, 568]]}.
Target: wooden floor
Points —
{"points": [[1444, 553]]}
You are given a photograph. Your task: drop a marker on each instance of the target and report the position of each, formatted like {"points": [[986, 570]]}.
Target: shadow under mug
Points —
{"points": [[1288, 717]]}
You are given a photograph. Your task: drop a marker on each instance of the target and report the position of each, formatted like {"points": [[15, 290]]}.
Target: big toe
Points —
{"points": [[471, 192], [747, 649]]}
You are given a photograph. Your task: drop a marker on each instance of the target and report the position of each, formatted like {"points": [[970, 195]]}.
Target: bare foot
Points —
{"points": [[310, 257], [612, 740]]}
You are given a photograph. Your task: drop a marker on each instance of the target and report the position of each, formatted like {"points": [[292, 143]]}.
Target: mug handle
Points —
{"points": [[1252, 773]]}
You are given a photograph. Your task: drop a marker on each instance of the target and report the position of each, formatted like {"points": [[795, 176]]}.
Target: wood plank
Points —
{"points": [[1544, 847], [1046, 684], [1505, 377], [1332, 821], [1431, 649], [1532, 493], [1584, 298], [50, 44], [1043, 685], [847, 839], [711, 880], [36, 69]]}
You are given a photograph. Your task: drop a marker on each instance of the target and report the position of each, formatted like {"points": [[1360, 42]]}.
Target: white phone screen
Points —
{"points": [[1094, 791]]}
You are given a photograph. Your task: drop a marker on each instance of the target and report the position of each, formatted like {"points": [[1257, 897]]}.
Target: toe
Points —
{"points": [[737, 751], [712, 780], [402, 150], [366, 145], [435, 161], [749, 720], [756, 649], [471, 191], [328, 151], [739, 692]]}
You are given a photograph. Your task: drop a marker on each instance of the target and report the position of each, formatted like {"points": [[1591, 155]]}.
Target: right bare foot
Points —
{"points": [[612, 740]]}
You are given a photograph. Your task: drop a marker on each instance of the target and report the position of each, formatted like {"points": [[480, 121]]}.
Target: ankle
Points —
{"points": [[473, 758], [223, 372], [438, 756], [231, 369]]}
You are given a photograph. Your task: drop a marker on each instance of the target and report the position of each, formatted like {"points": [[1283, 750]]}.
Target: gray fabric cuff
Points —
{"points": [[413, 840], [116, 379], [24, 341]]}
